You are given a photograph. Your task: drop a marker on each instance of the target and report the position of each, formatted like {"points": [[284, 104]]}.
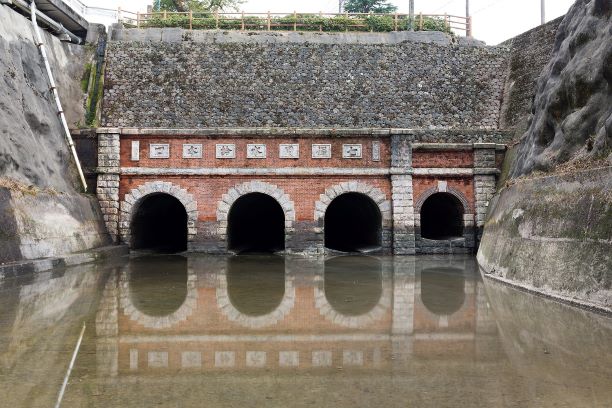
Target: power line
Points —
{"points": [[486, 7]]}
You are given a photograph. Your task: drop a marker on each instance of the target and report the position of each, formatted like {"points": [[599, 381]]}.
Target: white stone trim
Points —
{"points": [[133, 199], [374, 193], [226, 307], [330, 314], [158, 322], [234, 193]]}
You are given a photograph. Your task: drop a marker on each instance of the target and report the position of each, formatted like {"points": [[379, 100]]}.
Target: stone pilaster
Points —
{"points": [[484, 184], [108, 179], [402, 197]]}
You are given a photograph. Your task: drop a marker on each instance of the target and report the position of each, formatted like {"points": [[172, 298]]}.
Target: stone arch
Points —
{"points": [[372, 192], [442, 188], [330, 314], [234, 193], [132, 199], [253, 322], [158, 322]]}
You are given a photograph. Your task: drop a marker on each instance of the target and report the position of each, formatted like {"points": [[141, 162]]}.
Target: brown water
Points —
{"points": [[266, 331]]}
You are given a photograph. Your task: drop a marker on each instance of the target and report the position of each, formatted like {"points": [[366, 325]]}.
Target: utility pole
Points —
{"points": [[411, 14], [468, 20], [543, 9]]}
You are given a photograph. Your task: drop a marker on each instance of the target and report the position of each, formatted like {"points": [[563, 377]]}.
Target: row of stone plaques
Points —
{"points": [[226, 359], [255, 151]]}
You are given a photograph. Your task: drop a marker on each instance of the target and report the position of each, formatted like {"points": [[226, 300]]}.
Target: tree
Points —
{"points": [[196, 5], [367, 6]]}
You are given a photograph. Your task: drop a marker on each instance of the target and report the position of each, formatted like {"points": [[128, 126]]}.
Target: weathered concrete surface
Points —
{"points": [[41, 212], [41, 224], [32, 145], [554, 234]]}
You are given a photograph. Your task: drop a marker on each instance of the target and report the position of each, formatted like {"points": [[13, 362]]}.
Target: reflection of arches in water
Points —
{"points": [[159, 291], [256, 285], [442, 217], [443, 290], [262, 306], [256, 222], [353, 291], [353, 285], [353, 222], [159, 223]]}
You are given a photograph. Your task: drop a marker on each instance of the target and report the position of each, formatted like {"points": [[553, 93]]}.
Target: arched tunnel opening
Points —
{"points": [[353, 284], [158, 285], [442, 217], [160, 224], [256, 223], [443, 290], [256, 283], [353, 223]]}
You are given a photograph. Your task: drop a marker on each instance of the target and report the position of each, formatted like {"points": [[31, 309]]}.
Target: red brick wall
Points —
{"points": [[272, 160], [443, 159], [463, 184], [303, 191]]}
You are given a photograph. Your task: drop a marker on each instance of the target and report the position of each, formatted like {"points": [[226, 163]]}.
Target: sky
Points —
{"points": [[494, 21]]}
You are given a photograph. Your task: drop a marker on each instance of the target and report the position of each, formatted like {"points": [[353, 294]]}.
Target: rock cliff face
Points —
{"points": [[572, 111], [41, 212], [550, 228]]}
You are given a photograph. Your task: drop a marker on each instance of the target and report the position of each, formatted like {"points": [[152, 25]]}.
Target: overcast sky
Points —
{"points": [[494, 20]]}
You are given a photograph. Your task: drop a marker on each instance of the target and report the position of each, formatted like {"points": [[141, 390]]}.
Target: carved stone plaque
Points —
{"points": [[256, 358], [159, 150], [256, 151], [192, 151], [225, 151], [225, 358], [321, 151], [289, 151], [351, 151], [376, 151], [135, 150]]}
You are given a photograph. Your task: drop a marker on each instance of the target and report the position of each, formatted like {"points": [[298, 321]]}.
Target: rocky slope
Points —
{"points": [[572, 111], [550, 228], [42, 213]]}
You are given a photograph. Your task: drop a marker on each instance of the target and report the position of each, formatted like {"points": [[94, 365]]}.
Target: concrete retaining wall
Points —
{"points": [[554, 235]]}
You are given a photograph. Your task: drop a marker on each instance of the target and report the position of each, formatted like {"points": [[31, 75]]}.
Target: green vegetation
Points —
{"points": [[369, 6], [299, 22]]}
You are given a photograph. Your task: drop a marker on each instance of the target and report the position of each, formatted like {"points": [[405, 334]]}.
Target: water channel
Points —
{"points": [[271, 331]]}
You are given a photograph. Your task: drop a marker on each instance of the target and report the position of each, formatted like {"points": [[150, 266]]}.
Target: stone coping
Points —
{"points": [[280, 131], [298, 171]]}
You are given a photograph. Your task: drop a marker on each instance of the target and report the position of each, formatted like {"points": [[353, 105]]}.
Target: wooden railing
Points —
{"points": [[332, 22]]}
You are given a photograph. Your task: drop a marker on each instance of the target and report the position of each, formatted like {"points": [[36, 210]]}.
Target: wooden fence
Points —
{"points": [[298, 21]]}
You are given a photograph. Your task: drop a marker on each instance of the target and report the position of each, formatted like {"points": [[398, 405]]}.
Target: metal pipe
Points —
{"points": [[53, 25], [53, 88], [543, 10]]}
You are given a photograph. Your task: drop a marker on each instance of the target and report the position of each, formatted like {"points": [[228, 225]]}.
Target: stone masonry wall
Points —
{"points": [[529, 54], [181, 83]]}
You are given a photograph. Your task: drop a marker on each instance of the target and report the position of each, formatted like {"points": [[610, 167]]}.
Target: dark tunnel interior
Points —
{"points": [[442, 217], [256, 223], [160, 224], [353, 223]]}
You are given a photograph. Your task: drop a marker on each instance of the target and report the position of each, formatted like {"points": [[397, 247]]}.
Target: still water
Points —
{"points": [[268, 331]]}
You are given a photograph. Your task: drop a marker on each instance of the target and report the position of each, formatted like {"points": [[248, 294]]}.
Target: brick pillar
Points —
{"points": [[484, 181], [401, 191], [108, 179]]}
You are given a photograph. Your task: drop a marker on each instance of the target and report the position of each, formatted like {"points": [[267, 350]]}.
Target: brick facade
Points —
{"points": [[395, 169]]}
